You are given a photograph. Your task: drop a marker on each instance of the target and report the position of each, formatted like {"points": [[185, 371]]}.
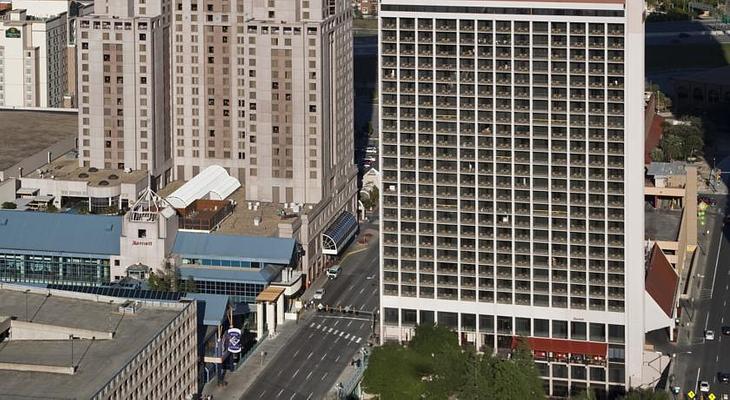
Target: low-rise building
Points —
{"points": [[60, 344]]}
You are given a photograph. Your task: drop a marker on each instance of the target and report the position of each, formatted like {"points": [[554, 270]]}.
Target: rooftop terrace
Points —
{"points": [[662, 224], [67, 169]]}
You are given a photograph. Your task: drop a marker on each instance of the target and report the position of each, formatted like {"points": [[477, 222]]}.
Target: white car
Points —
{"points": [[318, 294], [709, 335], [704, 387]]}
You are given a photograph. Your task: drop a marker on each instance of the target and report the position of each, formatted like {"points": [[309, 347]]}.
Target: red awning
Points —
{"points": [[565, 346]]}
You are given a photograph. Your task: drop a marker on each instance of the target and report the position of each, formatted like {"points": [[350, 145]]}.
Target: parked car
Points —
{"points": [[725, 330], [723, 377], [704, 387], [318, 294], [709, 335]]}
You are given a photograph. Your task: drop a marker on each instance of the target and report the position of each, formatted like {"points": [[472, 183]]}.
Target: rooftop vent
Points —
{"points": [[83, 175], [113, 177], [93, 169], [103, 183]]}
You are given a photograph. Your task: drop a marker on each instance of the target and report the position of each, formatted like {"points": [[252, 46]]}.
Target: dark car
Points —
{"points": [[723, 377], [725, 330], [683, 35]]}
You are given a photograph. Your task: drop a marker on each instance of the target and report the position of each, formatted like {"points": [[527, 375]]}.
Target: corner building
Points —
{"points": [[512, 159]]}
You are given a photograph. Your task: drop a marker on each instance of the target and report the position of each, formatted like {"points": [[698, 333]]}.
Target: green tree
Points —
{"points": [[657, 155], [189, 286], [672, 147], [9, 205]]}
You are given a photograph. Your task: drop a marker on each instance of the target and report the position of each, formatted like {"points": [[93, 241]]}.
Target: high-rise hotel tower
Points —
{"points": [[512, 172]]}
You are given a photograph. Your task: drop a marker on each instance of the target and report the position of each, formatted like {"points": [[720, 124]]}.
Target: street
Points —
{"points": [[308, 366], [698, 359]]}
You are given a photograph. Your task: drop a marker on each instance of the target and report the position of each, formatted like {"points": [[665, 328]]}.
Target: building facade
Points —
{"points": [[32, 59], [264, 89], [512, 163], [123, 58]]}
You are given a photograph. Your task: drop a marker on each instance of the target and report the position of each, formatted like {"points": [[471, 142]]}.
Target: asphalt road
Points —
{"points": [[700, 359], [310, 363]]}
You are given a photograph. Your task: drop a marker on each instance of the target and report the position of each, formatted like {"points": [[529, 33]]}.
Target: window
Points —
{"points": [[578, 330], [560, 329], [141, 233], [542, 327], [427, 317]]}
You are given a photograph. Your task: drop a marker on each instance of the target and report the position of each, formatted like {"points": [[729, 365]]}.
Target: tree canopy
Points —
{"points": [[434, 366]]}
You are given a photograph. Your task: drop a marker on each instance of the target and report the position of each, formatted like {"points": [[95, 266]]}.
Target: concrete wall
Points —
{"points": [[22, 330], [8, 188]]}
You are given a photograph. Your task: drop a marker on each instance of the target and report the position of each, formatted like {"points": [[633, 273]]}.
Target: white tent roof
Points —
{"points": [[212, 183]]}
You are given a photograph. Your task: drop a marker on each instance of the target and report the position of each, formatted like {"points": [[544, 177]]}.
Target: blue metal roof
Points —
{"points": [[239, 275], [59, 233], [270, 250], [214, 307]]}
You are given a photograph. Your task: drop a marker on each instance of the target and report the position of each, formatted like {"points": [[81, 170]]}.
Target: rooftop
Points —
{"points": [[67, 168], [662, 224], [269, 250], [21, 139], [661, 280], [60, 233], [241, 221], [674, 168], [97, 361]]}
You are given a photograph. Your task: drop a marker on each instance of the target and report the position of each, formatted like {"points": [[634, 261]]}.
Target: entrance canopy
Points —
{"points": [[339, 233]]}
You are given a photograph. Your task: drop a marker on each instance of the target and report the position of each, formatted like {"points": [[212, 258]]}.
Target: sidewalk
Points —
{"points": [[238, 381]]}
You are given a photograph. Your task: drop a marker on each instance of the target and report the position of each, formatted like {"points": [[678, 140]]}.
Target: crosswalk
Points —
{"points": [[335, 332]]}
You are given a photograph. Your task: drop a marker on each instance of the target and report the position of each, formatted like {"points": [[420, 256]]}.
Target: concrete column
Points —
{"points": [[270, 317], [280, 309], [259, 320]]}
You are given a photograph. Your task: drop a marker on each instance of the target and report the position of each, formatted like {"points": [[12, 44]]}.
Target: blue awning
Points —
{"points": [[339, 233]]}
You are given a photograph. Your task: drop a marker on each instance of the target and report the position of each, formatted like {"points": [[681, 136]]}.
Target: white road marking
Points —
{"points": [[310, 335], [697, 381], [280, 392], [292, 396], [310, 355], [337, 339], [342, 333], [329, 330], [337, 359], [707, 319], [312, 325], [362, 290], [325, 355], [324, 376], [358, 340], [362, 325], [714, 274], [717, 358], [722, 320], [349, 323], [262, 394], [307, 378], [347, 336], [296, 372], [319, 325], [336, 322], [279, 373], [310, 395], [297, 352]]}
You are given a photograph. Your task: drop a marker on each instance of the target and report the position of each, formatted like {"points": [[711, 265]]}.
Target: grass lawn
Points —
{"points": [[682, 56]]}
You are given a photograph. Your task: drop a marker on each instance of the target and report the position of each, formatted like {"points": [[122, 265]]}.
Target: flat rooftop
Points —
{"points": [[97, 361], [67, 168], [241, 221], [662, 224], [25, 133]]}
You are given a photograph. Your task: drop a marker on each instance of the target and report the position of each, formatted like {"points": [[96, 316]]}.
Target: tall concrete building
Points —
{"points": [[32, 59], [123, 52], [264, 89], [512, 170]]}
